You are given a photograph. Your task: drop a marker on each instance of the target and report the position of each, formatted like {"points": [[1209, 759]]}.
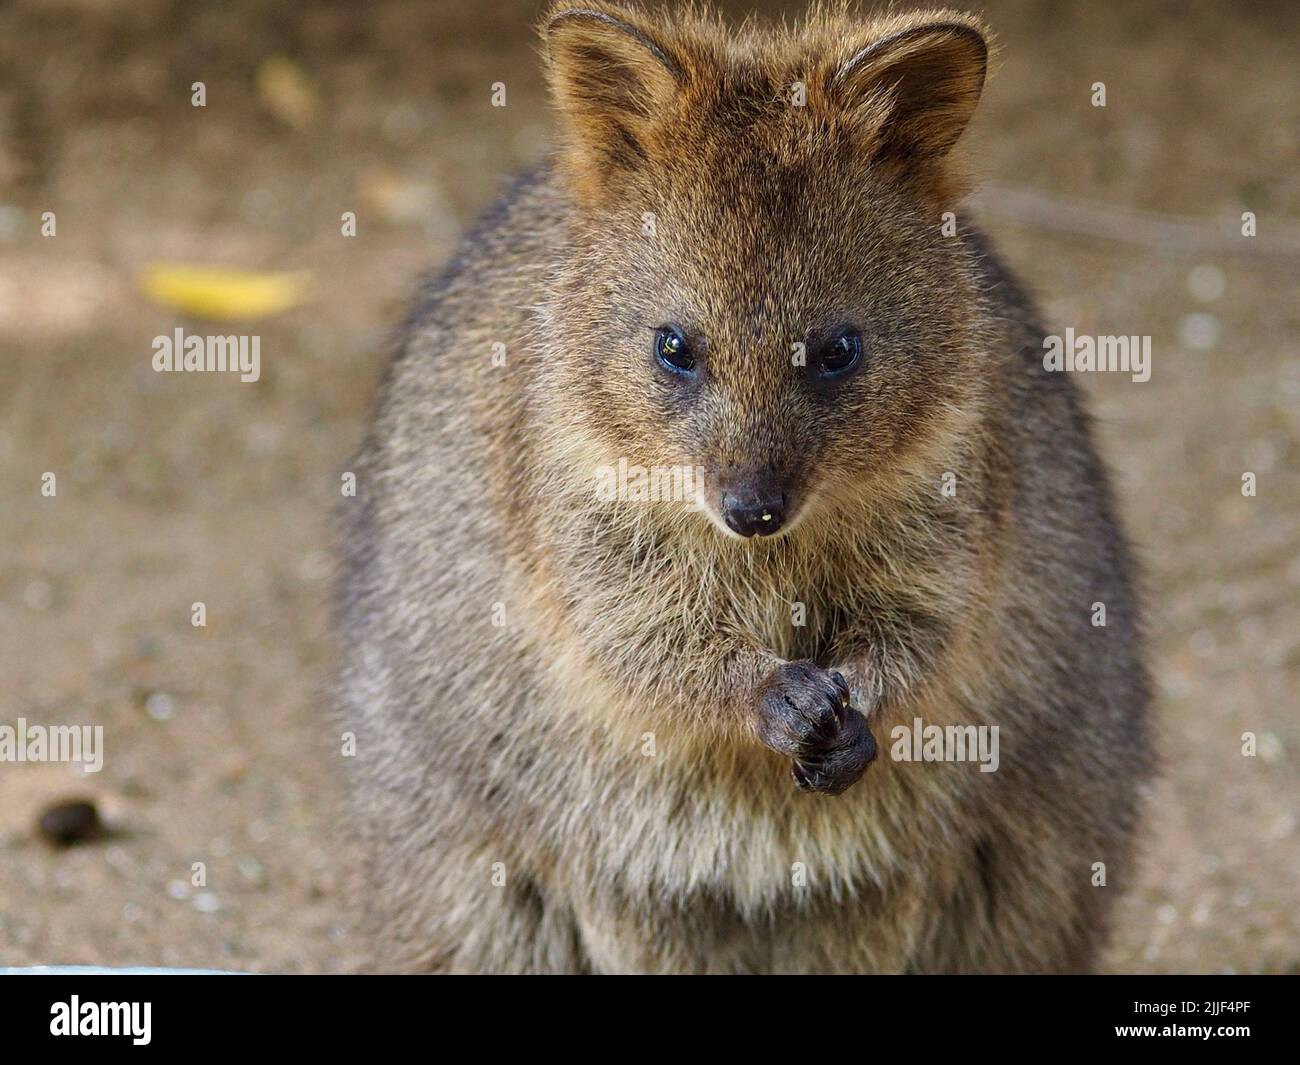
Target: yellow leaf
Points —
{"points": [[223, 294], [286, 91]]}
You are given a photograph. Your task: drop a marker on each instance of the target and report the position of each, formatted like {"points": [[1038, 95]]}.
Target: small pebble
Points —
{"points": [[70, 822], [1206, 282], [206, 902], [159, 706]]}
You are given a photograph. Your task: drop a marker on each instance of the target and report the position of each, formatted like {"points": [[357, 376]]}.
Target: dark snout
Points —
{"points": [[755, 506]]}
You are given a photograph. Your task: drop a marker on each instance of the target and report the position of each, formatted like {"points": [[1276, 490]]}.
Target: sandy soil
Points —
{"points": [[174, 489]]}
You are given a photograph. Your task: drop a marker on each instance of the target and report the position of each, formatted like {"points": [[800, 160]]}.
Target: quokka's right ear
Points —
{"points": [[612, 79]]}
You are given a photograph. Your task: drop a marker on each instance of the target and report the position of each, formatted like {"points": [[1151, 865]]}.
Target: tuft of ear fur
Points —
{"points": [[611, 78], [913, 91]]}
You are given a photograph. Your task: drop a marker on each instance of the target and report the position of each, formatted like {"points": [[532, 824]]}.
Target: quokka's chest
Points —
{"points": [[668, 820]]}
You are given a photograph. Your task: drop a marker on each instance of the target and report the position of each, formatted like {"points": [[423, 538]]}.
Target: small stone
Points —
{"points": [[69, 822], [159, 706], [206, 902], [1206, 282]]}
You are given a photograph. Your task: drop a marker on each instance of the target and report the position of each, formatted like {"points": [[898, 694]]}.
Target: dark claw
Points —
{"points": [[805, 713], [807, 779]]}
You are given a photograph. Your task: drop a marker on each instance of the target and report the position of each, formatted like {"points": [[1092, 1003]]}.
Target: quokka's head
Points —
{"points": [[761, 279]]}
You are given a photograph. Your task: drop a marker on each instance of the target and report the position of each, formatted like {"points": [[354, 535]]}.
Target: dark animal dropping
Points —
{"points": [[69, 822]]}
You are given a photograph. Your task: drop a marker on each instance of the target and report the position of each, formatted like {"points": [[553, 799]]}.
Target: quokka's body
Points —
{"points": [[626, 736]]}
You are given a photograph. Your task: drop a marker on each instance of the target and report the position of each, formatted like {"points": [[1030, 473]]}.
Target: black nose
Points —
{"points": [[752, 514]]}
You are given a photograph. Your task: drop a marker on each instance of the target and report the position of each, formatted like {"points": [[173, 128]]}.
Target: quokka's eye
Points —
{"points": [[842, 353], [673, 350]]}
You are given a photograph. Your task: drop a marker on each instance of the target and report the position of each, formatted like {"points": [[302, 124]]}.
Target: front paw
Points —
{"points": [[804, 714]]}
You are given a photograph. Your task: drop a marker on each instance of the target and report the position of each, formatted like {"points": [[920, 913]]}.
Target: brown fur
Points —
{"points": [[525, 744]]}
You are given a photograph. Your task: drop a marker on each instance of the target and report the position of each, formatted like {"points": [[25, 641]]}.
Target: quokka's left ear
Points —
{"points": [[913, 91]]}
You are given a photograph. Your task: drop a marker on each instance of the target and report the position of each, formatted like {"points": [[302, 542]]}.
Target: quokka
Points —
{"points": [[613, 736]]}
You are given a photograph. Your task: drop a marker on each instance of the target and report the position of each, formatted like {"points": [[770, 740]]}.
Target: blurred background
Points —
{"points": [[183, 488]]}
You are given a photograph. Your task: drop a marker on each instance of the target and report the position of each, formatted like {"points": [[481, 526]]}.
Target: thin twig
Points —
{"points": [[1058, 214]]}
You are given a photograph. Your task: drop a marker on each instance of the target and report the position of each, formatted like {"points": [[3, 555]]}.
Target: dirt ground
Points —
{"points": [[176, 489]]}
